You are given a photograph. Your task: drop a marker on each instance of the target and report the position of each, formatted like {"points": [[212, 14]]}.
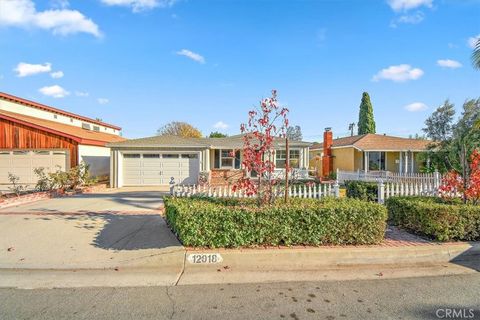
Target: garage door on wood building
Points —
{"points": [[22, 163], [159, 168]]}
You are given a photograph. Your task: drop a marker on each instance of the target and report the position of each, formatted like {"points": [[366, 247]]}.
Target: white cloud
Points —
{"points": [[399, 73], [59, 4], [81, 94], [140, 5], [56, 74], [404, 5], [22, 13], [24, 69], [447, 63], [103, 100], [54, 91], [472, 41], [192, 55], [416, 106], [414, 18], [220, 125]]}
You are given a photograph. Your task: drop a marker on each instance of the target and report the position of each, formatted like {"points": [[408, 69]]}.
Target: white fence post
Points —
{"points": [[336, 189], [381, 192]]}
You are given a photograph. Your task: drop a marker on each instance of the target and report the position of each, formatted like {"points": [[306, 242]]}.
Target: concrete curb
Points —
{"points": [[256, 265], [260, 265], [152, 270]]}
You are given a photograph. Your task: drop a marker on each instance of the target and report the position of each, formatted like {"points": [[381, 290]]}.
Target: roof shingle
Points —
{"points": [[378, 142]]}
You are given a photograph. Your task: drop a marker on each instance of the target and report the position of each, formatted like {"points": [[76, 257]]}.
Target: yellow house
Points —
{"points": [[368, 152]]}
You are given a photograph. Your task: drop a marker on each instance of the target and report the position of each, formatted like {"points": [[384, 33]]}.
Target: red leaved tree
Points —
{"points": [[468, 187], [266, 122]]}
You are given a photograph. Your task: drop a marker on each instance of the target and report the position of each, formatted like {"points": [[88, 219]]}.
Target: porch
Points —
{"points": [[389, 161], [225, 164]]}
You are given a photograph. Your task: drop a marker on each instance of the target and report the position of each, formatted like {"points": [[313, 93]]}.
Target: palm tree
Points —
{"points": [[476, 55]]}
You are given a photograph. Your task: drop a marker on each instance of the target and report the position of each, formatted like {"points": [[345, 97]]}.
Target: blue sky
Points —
{"points": [[142, 63]]}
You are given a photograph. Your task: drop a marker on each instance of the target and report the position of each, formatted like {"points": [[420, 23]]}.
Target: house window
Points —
{"points": [[85, 125], [281, 157], [55, 116], [226, 159], [96, 128], [376, 161]]}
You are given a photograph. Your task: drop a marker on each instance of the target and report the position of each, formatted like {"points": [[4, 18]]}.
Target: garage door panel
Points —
{"points": [[159, 168], [22, 163]]}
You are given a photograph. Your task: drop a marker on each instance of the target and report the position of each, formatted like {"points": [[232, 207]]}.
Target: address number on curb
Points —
{"points": [[204, 258]]}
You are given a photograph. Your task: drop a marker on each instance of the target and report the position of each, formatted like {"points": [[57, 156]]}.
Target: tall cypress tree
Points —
{"points": [[366, 121]]}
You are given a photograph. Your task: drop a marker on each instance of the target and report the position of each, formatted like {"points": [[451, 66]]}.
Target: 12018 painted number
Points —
{"points": [[204, 258]]}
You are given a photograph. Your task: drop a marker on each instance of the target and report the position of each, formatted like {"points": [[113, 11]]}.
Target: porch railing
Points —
{"points": [[387, 176]]}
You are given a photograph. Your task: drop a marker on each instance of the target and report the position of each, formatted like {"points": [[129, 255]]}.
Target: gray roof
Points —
{"points": [[233, 142]]}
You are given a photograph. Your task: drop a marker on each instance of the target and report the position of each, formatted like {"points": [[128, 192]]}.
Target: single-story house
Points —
{"points": [[160, 160], [367, 152], [35, 135]]}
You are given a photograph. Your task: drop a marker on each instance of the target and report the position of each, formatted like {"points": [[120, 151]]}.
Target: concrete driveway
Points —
{"points": [[114, 200], [111, 230]]}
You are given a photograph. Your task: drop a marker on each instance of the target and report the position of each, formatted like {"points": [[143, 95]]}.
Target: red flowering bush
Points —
{"points": [[265, 123], [454, 184]]}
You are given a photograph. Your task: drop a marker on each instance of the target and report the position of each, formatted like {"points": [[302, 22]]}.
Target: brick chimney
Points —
{"points": [[327, 160]]}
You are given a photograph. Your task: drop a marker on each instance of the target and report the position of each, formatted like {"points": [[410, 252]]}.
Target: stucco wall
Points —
{"points": [[358, 160], [97, 157], [343, 159], [392, 157]]}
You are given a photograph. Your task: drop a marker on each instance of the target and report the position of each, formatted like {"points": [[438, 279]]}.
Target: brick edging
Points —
{"points": [[41, 195]]}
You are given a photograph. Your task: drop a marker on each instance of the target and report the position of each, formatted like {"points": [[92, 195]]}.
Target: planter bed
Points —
{"points": [[436, 218], [213, 223], [11, 200]]}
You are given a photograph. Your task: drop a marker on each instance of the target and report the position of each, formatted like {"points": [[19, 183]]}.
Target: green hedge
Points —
{"points": [[367, 191], [436, 218], [206, 222]]}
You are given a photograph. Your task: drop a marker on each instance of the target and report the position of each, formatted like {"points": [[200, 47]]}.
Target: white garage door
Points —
{"points": [[159, 168], [22, 163]]}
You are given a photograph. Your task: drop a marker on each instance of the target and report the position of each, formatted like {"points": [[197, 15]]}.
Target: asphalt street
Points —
{"points": [[409, 298]]}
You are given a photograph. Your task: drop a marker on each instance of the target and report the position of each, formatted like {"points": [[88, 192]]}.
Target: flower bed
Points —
{"points": [[434, 217], [207, 222]]}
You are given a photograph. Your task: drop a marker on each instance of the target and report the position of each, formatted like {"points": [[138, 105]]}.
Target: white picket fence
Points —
{"points": [[387, 176], [313, 191], [396, 189]]}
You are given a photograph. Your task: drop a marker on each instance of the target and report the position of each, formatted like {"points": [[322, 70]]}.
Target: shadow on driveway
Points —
{"points": [[124, 232]]}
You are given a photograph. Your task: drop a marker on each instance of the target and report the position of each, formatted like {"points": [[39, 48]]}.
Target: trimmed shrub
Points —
{"points": [[366, 191], [442, 220], [207, 222]]}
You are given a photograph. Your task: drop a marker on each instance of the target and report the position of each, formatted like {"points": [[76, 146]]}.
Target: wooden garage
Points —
{"points": [[27, 143]]}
